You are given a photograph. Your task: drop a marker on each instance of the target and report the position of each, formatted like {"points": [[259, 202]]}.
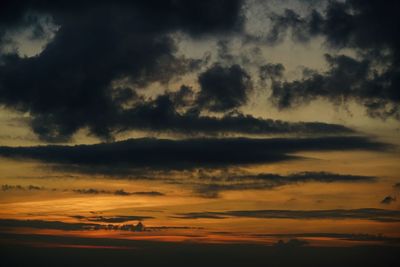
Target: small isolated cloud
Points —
{"points": [[388, 200]]}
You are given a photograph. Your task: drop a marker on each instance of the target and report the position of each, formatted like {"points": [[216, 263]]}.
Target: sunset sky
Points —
{"points": [[265, 123]]}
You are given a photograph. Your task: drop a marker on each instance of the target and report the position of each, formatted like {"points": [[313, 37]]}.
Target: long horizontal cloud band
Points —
{"points": [[189, 153], [371, 214]]}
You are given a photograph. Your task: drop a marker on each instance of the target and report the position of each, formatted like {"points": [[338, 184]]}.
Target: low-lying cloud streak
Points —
{"points": [[371, 214], [216, 184], [88, 191], [124, 156]]}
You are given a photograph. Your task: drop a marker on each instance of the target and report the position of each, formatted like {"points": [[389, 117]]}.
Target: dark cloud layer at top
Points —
{"points": [[68, 86], [166, 154], [195, 18], [372, 78]]}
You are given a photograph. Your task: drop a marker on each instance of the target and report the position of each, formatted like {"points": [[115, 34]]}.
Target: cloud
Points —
{"points": [[40, 224], [69, 85], [388, 200], [113, 223], [370, 78], [117, 219], [89, 191], [341, 236], [119, 192], [149, 193], [291, 243], [162, 115], [224, 88], [346, 79], [7, 187], [271, 71], [124, 156], [392, 197], [371, 214], [226, 182]]}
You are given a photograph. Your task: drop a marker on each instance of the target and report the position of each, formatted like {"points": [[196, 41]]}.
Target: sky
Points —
{"points": [[243, 122]]}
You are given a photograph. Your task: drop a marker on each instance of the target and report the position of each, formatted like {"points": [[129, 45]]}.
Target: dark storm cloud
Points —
{"points": [[372, 78], [269, 181], [193, 17], [346, 77], [166, 154], [68, 86], [162, 115], [379, 215], [224, 88], [281, 23]]}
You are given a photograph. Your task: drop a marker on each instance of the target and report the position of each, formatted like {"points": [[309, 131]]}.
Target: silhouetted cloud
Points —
{"points": [[117, 219], [41, 224], [291, 243], [371, 77], [69, 90], [119, 192], [89, 191], [224, 88], [161, 115], [341, 236], [388, 200], [370, 214], [7, 187], [149, 193], [271, 71], [113, 223], [226, 182], [392, 197], [118, 157]]}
